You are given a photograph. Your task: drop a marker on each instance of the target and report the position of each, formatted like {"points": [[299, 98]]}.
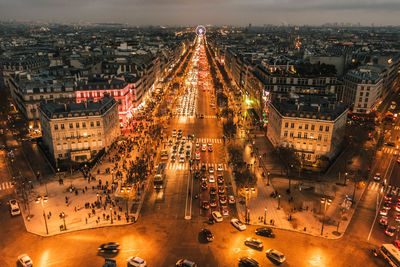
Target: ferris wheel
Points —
{"points": [[200, 30]]}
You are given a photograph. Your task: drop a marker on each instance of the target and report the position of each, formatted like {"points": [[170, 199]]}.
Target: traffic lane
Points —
{"points": [[395, 175]]}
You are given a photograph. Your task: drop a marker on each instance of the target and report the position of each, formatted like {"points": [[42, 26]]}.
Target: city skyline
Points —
{"points": [[221, 12]]}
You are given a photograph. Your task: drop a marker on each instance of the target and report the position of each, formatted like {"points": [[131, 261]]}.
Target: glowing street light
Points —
{"points": [[42, 200]]}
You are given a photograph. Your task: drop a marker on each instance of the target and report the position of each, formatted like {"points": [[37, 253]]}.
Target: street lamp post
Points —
{"points": [[279, 201], [42, 200], [345, 178], [326, 202], [265, 216], [63, 217], [111, 215], [268, 177]]}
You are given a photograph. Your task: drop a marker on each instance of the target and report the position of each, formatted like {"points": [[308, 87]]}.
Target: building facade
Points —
{"points": [[312, 126], [78, 131]]}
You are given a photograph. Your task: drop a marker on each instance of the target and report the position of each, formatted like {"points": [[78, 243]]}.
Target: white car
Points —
{"points": [[231, 199], [203, 147], [217, 216], [211, 179], [14, 207], [25, 260], [211, 169], [182, 159], [275, 255], [136, 262], [238, 224], [377, 176], [219, 168]]}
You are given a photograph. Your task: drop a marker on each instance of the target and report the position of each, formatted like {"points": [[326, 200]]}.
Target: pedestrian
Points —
{"points": [[86, 220], [75, 209]]}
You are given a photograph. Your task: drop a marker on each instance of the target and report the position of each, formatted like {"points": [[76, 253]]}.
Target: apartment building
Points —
{"points": [[78, 131], [312, 126]]}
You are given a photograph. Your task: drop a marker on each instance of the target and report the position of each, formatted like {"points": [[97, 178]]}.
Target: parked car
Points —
{"points": [[204, 186], [224, 211], [377, 176], [213, 190], [222, 200], [238, 224], [220, 179], [275, 255], [211, 169], [205, 205], [217, 216], [265, 231], [213, 203], [248, 262], [136, 262], [383, 212], [387, 205], [231, 199], [111, 247], [254, 243], [211, 178], [219, 168], [207, 235], [25, 261]]}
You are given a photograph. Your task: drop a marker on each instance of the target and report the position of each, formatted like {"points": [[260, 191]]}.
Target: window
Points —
{"points": [[83, 124], [300, 126], [319, 137], [310, 146], [62, 126], [325, 138], [324, 148], [366, 100], [326, 128], [312, 127], [311, 135], [65, 146], [306, 126], [291, 134], [97, 123], [55, 126], [321, 128], [360, 99], [98, 133], [299, 134], [71, 125], [77, 125], [286, 124], [60, 155], [305, 135], [91, 124], [361, 93], [285, 134]]}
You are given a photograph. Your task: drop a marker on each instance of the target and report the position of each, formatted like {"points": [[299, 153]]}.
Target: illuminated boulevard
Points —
{"points": [[171, 219]]}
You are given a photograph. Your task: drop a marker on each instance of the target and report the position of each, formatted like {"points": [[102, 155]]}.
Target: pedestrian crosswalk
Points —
{"points": [[209, 140], [185, 166], [210, 116], [390, 150], [376, 186], [6, 185]]}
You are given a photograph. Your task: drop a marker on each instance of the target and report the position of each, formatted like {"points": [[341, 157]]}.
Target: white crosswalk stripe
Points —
{"points": [[209, 140], [388, 150], [397, 127], [6, 185]]}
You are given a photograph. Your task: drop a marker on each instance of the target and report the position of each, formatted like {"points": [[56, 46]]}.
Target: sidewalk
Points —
{"points": [[302, 210]]}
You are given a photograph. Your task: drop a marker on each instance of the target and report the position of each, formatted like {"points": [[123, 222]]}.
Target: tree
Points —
{"points": [[226, 112], [243, 177], [229, 128]]}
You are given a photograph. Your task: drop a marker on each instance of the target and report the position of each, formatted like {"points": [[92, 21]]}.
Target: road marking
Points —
{"points": [[6, 185]]}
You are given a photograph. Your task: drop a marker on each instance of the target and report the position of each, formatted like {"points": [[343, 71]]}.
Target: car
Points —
{"points": [[211, 169], [185, 263], [188, 147], [203, 167], [217, 216], [224, 211], [210, 149], [207, 235], [398, 160], [184, 139], [397, 217], [377, 176], [390, 230], [248, 262], [275, 255], [136, 262], [14, 207], [383, 212], [390, 144], [205, 205], [254, 243], [197, 155], [387, 205], [173, 158], [219, 168], [238, 224], [211, 178], [231, 199], [203, 147], [170, 143], [388, 197], [204, 186], [383, 221], [213, 190], [220, 179], [188, 154], [397, 244], [397, 207], [264, 231], [25, 261], [222, 200], [111, 247], [197, 145], [213, 203], [201, 116]]}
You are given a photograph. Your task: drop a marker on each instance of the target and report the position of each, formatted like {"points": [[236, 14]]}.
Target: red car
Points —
{"points": [[205, 205], [213, 203]]}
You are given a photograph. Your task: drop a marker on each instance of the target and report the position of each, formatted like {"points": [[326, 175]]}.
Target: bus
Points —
{"points": [[159, 177], [391, 254]]}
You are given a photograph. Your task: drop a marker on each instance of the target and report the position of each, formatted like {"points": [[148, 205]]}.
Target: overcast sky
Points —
{"points": [[216, 12]]}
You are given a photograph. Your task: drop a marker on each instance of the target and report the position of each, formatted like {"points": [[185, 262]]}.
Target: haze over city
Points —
{"points": [[193, 12]]}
